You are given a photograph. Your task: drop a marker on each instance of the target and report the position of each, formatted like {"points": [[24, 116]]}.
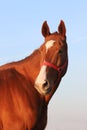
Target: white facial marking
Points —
{"points": [[49, 44], [41, 77]]}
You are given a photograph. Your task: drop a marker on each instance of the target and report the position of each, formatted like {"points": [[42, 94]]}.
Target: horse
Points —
{"points": [[27, 86]]}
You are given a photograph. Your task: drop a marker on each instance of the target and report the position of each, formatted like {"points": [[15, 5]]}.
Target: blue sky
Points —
{"points": [[20, 34]]}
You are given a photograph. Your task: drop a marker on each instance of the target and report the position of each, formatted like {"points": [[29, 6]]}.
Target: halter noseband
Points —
{"points": [[59, 69]]}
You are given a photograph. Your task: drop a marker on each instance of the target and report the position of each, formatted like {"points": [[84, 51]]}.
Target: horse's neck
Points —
{"points": [[30, 66]]}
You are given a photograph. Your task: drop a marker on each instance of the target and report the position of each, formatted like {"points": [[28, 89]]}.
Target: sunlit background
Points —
{"points": [[20, 34]]}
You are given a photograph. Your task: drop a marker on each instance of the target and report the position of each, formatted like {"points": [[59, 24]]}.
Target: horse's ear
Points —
{"points": [[62, 28], [45, 29]]}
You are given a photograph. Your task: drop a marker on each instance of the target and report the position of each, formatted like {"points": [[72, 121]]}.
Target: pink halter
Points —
{"points": [[59, 69]]}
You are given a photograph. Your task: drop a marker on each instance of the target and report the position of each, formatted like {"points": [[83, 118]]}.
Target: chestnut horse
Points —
{"points": [[27, 86]]}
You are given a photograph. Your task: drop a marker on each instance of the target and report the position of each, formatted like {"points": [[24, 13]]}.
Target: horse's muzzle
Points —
{"points": [[46, 87]]}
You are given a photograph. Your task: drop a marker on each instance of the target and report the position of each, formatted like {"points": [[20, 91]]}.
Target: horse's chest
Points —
{"points": [[42, 120]]}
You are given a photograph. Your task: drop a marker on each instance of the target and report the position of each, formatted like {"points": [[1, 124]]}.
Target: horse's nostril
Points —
{"points": [[60, 52], [45, 84]]}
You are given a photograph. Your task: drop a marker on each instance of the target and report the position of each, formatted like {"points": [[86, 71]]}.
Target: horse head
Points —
{"points": [[54, 59]]}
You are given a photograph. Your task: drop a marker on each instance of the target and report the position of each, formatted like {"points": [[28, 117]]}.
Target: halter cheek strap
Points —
{"points": [[51, 65], [59, 69]]}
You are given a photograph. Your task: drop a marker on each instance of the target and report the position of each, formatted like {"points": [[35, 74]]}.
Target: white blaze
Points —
{"points": [[49, 44], [42, 74], [41, 77]]}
